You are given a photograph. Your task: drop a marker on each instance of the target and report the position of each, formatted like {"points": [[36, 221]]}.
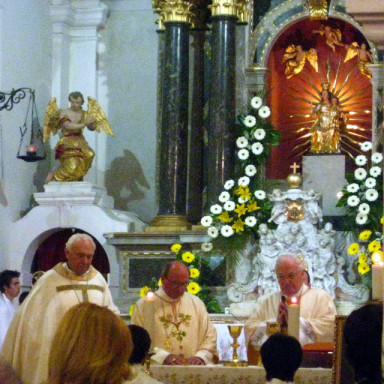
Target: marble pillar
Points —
{"points": [[377, 83], [221, 140]]}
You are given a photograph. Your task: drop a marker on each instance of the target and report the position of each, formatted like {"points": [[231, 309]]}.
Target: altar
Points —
{"points": [[232, 375]]}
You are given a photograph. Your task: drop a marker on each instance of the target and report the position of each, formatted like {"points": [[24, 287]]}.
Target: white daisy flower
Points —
{"points": [[224, 196], [361, 160], [260, 195], [244, 181], [370, 182], [216, 209], [243, 154], [206, 221], [366, 146], [360, 174], [375, 171], [229, 184], [256, 102], [250, 221], [242, 200], [364, 208], [249, 121], [250, 170], [257, 148], [259, 134], [361, 218], [226, 230], [213, 232], [353, 201], [353, 187], [377, 158], [207, 247], [371, 194], [229, 205], [241, 142], [264, 112]]}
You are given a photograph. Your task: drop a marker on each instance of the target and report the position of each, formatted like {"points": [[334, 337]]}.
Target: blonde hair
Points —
{"points": [[92, 345]]}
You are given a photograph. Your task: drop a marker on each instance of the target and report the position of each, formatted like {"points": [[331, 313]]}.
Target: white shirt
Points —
{"points": [[7, 311]]}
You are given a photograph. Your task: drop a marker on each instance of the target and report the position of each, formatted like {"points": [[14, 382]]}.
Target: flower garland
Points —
{"points": [[242, 206], [363, 206]]}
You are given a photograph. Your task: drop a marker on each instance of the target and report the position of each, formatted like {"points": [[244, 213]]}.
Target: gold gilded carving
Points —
{"points": [[294, 211], [225, 7], [318, 9], [173, 11], [243, 12]]}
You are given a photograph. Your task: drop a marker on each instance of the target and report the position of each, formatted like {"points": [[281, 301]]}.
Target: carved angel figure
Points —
{"points": [[295, 58], [332, 36], [364, 57], [72, 150]]}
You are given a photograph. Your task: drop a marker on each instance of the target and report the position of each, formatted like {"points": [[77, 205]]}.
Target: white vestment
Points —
{"points": [[7, 311], [140, 377], [200, 335], [28, 341], [317, 317]]}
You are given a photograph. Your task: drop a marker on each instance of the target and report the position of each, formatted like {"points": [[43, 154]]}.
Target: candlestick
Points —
{"points": [[377, 271], [293, 306]]}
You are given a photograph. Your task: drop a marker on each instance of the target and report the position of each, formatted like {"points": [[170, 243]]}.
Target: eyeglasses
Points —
{"points": [[177, 284], [289, 276]]}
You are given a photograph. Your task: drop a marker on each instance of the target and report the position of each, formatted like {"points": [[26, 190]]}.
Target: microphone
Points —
{"points": [[283, 299]]}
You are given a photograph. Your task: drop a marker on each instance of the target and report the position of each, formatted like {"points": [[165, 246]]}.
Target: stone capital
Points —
{"points": [[180, 11]]}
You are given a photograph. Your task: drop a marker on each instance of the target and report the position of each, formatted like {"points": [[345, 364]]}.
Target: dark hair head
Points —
{"points": [[362, 338], [281, 356], [76, 95], [6, 277], [141, 344]]}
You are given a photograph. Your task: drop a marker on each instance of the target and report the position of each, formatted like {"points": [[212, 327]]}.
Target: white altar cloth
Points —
{"points": [[218, 374], [224, 341]]}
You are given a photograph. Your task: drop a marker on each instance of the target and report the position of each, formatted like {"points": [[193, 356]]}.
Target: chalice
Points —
{"points": [[235, 331]]}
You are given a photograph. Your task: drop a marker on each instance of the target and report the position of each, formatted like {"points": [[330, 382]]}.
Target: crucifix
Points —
{"points": [[295, 167]]}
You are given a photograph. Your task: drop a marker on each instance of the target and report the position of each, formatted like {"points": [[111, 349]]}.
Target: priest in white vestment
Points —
{"points": [[178, 322], [28, 341], [317, 309]]}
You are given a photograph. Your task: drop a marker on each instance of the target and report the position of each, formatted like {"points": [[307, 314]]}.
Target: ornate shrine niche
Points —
{"points": [[293, 99]]}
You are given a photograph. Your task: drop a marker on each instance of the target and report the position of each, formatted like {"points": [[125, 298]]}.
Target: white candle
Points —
{"points": [[293, 307], [377, 271]]}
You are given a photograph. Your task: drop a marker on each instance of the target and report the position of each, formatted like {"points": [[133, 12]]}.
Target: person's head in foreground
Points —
{"points": [[7, 374], [281, 356], [91, 346], [141, 344], [363, 330]]}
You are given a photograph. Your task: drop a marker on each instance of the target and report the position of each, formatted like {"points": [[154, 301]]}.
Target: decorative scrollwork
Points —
{"points": [[8, 99]]}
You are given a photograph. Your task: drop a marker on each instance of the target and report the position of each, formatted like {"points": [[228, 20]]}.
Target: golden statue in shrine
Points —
{"points": [[295, 58], [364, 57], [72, 150]]}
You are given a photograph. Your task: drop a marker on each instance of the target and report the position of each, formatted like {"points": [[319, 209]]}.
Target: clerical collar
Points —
{"points": [[160, 293], [278, 381], [66, 266]]}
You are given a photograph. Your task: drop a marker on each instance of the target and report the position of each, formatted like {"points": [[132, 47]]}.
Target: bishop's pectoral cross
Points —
{"points": [[84, 288]]}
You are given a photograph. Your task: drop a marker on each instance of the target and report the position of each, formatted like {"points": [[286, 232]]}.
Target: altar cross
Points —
{"points": [[295, 167], [84, 288]]}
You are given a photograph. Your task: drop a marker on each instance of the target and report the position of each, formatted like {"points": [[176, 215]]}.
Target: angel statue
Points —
{"points": [[332, 36], [363, 55], [295, 58], [72, 150]]}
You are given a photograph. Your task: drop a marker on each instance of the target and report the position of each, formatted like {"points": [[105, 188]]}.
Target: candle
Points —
{"points": [[377, 270], [31, 150], [293, 306]]}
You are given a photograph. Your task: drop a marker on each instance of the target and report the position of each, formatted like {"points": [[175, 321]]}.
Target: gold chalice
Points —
{"points": [[235, 331]]}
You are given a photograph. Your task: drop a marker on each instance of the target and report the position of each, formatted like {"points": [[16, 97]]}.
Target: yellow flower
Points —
{"points": [[240, 209], [159, 283], [188, 257], [382, 220], [253, 207], [365, 235], [224, 217], [353, 248], [144, 291], [363, 258], [194, 273], [363, 268], [131, 308], [176, 248], [238, 226], [243, 192], [374, 246], [193, 288]]}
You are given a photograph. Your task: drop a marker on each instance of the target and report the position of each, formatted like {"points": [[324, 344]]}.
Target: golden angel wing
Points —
{"points": [[352, 51], [338, 34], [95, 110], [312, 58], [289, 53], [51, 119]]}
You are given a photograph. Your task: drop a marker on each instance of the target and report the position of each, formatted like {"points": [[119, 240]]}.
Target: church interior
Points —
{"points": [[276, 103]]}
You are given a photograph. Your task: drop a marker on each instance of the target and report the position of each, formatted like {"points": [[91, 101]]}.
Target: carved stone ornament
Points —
{"points": [[243, 11], [318, 9], [225, 7], [173, 11]]}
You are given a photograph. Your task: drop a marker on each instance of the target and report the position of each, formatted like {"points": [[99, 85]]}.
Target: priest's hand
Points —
{"points": [[172, 359], [282, 315], [194, 360]]}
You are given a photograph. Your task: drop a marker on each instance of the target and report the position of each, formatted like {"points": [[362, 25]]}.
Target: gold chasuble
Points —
{"points": [[28, 341], [178, 326]]}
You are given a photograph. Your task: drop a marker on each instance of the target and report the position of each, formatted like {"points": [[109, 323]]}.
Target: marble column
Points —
{"points": [[173, 145], [221, 140], [377, 83]]}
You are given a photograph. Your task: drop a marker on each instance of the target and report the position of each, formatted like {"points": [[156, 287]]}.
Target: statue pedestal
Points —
{"points": [[329, 184]]}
